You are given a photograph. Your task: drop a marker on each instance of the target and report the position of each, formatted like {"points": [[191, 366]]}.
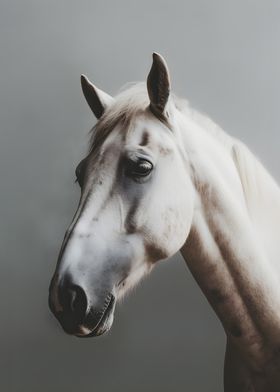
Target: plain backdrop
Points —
{"points": [[224, 57]]}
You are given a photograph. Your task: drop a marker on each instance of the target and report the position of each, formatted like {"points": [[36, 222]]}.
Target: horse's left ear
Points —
{"points": [[97, 99], [158, 85]]}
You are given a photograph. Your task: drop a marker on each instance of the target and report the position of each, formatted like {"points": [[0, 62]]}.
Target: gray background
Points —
{"points": [[224, 57]]}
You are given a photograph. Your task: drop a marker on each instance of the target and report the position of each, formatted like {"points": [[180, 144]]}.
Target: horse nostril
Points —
{"points": [[79, 300], [74, 302]]}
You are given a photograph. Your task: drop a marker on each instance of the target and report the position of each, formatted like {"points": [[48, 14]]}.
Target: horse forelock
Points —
{"points": [[128, 104], [132, 102]]}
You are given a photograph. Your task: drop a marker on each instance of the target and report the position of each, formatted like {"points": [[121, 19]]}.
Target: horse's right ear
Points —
{"points": [[97, 99], [158, 85]]}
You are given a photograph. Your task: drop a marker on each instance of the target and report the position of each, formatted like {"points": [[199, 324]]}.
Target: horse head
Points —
{"points": [[136, 203]]}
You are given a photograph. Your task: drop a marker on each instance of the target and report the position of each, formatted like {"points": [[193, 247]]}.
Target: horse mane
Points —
{"points": [[254, 177]]}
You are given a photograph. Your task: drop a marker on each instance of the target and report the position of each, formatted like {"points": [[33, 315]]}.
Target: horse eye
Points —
{"points": [[140, 168]]}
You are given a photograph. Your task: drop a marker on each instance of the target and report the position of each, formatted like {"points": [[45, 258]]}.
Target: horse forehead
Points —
{"points": [[114, 140], [143, 132], [147, 131]]}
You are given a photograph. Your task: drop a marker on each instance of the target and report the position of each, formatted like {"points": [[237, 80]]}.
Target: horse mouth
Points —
{"points": [[104, 323]]}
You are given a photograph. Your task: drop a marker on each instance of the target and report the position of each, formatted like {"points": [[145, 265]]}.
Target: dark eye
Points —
{"points": [[79, 172], [139, 168]]}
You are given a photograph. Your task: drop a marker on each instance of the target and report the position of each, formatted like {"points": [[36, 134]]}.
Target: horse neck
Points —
{"points": [[225, 250]]}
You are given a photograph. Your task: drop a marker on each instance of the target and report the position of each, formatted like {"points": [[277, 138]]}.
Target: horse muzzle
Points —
{"points": [[71, 306]]}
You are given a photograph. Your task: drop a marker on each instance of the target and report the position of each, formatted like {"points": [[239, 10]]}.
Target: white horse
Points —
{"points": [[160, 177]]}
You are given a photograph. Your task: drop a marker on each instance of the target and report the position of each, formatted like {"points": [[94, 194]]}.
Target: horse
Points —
{"points": [[159, 177]]}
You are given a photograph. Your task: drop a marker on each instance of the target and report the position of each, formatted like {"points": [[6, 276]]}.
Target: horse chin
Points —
{"points": [[103, 326]]}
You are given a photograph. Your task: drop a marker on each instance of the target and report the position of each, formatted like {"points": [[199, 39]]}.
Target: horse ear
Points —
{"points": [[158, 85], [97, 99]]}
